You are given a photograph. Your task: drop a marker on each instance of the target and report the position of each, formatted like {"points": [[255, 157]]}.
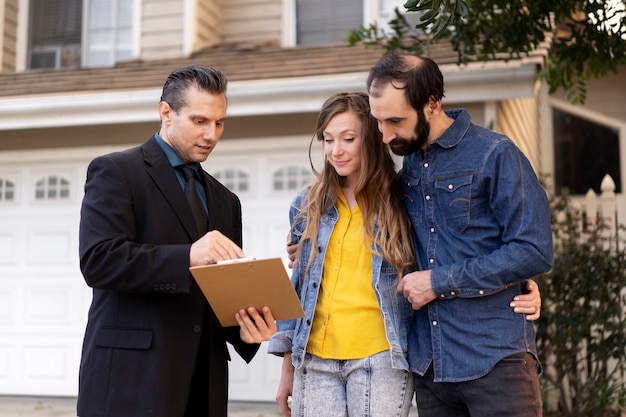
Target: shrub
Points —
{"points": [[581, 336]]}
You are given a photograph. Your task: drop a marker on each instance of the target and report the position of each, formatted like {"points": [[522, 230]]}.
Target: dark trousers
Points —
{"points": [[511, 389]]}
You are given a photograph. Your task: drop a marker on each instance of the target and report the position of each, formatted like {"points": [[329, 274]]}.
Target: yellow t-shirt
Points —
{"points": [[348, 323]]}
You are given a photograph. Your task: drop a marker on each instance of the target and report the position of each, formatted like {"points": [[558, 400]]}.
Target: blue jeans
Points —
{"points": [[367, 387], [511, 389]]}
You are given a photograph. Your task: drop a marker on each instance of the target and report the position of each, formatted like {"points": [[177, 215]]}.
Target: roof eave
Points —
{"points": [[476, 82]]}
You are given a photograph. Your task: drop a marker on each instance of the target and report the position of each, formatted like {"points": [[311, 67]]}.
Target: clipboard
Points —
{"points": [[232, 285]]}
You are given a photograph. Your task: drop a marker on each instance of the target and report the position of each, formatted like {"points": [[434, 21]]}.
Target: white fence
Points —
{"points": [[607, 206]]}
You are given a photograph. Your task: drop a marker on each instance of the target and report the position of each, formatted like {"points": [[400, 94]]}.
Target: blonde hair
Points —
{"points": [[377, 190]]}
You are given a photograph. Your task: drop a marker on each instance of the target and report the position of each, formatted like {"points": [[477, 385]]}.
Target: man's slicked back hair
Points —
{"points": [[208, 79]]}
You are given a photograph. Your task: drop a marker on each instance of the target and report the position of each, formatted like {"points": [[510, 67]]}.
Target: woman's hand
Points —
{"points": [[253, 328], [285, 386], [529, 304]]}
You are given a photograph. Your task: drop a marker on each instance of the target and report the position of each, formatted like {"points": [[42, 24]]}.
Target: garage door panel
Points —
{"points": [[8, 364], [8, 307], [44, 299], [8, 244], [256, 381], [50, 247]]}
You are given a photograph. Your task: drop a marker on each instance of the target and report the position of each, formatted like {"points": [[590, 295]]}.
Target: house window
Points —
{"points": [[290, 178], [585, 151], [52, 187], [55, 33], [7, 190], [233, 179], [326, 21], [61, 38], [109, 32]]}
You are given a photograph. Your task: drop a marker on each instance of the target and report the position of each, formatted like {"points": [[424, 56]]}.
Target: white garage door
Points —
{"points": [[43, 298]]}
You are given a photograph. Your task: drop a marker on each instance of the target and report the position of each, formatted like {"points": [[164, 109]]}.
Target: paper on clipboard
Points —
{"points": [[231, 286]]}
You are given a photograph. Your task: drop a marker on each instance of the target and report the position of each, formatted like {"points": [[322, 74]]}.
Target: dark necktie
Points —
{"points": [[191, 193]]}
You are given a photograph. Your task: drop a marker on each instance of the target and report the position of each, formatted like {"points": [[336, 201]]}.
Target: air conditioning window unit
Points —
{"points": [[45, 58], [61, 56]]}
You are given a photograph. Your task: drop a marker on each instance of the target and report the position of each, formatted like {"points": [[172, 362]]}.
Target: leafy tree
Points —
{"points": [[588, 37]]}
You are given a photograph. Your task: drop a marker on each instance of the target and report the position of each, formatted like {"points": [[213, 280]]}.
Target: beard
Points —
{"points": [[403, 146]]}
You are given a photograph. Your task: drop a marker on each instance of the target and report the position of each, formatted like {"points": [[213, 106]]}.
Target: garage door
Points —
{"points": [[43, 298]]}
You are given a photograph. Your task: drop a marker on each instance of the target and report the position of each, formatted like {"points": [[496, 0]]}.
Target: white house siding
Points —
{"points": [[251, 21], [162, 29], [208, 23], [606, 95], [8, 23], [518, 119], [43, 297]]}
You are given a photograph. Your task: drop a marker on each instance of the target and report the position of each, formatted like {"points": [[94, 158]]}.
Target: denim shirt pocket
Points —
{"points": [[454, 197], [411, 191]]}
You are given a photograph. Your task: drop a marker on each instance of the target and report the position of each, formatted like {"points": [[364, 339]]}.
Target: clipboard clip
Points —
{"points": [[235, 260]]}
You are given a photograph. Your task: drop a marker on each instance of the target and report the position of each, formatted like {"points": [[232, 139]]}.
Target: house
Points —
{"points": [[80, 78]]}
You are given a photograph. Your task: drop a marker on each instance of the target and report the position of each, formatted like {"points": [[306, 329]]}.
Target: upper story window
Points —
{"points": [[7, 190], [326, 21], [55, 33], [585, 151], [52, 187], [73, 33], [109, 32]]}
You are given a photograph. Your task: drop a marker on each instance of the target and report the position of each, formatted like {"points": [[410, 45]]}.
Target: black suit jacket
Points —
{"points": [[147, 316]]}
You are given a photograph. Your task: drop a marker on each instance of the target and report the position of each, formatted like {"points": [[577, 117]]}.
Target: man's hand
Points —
{"points": [[529, 304], [417, 289], [253, 328], [291, 254], [213, 247]]}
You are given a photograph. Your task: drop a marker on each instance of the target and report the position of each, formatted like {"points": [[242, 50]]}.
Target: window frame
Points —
{"points": [[88, 31], [24, 46], [592, 116]]}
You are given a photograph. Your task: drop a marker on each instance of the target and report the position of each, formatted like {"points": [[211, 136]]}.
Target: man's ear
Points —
{"points": [[433, 108], [165, 111]]}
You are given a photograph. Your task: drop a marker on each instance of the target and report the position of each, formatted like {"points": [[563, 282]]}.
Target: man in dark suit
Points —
{"points": [[153, 346]]}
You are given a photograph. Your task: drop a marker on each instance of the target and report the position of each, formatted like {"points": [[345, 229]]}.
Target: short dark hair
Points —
{"points": [[205, 78], [421, 79]]}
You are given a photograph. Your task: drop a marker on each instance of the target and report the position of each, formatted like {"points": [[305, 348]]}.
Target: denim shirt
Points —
{"points": [[293, 335], [482, 225]]}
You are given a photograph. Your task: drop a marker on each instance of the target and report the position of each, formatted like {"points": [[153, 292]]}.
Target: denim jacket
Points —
{"points": [[482, 226], [293, 335]]}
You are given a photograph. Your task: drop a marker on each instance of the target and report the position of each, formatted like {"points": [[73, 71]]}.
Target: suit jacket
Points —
{"points": [[147, 315]]}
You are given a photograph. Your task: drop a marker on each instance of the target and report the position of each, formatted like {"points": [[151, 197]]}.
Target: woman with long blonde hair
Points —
{"points": [[347, 356]]}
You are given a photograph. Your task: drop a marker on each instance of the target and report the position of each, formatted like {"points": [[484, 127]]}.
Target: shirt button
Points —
{"points": [[335, 268], [425, 164], [453, 292], [431, 260], [432, 230], [435, 322], [197, 328], [450, 186], [442, 296], [481, 292], [427, 198]]}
